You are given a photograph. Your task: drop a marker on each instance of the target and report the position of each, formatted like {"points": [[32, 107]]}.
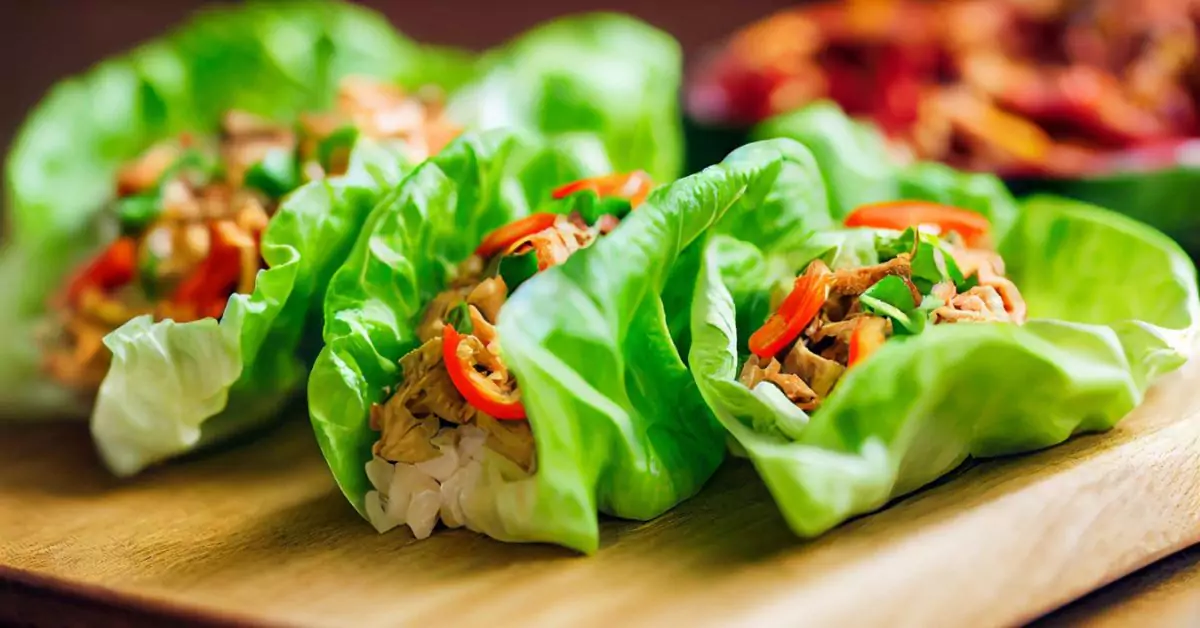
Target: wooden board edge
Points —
{"points": [[1167, 592], [31, 599]]}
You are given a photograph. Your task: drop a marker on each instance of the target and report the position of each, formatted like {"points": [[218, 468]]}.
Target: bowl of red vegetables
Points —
{"points": [[1091, 99]]}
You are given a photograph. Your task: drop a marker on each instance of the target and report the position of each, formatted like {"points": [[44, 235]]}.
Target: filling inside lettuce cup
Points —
{"points": [[184, 229], [503, 346], [881, 355]]}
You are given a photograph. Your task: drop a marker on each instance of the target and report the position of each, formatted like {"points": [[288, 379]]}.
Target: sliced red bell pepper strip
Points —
{"points": [[809, 293], [865, 339], [207, 289], [501, 238], [900, 215], [634, 186], [113, 268], [473, 386]]}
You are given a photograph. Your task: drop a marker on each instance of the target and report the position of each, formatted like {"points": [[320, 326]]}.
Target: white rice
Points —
{"points": [[419, 495]]}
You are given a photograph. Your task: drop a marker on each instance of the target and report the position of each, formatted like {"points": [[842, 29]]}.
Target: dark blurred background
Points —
{"points": [[42, 41]]}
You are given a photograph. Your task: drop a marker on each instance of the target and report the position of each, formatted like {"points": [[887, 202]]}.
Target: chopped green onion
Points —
{"points": [[889, 247], [148, 274], [191, 161], [591, 206], [516, 269], [459, 316], [933, 264], [276, 175], [135, 213], [967, 284], [929, 304], [336, 146]]}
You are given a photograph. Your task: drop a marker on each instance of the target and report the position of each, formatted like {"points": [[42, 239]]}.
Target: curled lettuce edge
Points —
{"points": [[852, 155], [619, 425], [173, 387], [276, 59], [1104, 326], [628, 95], [1159, 198], [857, 168]]}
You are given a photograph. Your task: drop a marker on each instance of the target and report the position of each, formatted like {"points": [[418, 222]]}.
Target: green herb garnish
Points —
{"points": [[889, 247], [892, 298], [933, 264]]}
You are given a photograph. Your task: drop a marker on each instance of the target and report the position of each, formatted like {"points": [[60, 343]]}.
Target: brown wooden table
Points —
{"points": [[257, 533]]}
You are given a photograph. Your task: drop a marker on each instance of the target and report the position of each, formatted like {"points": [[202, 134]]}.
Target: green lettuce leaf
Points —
{"points": [[862, 173], [174, 387], [273, 58], [619, 424], [606, 74], [852, 155], [978, 192], [857, 168], [1103, 327], [261, 58], [1162, 198]]}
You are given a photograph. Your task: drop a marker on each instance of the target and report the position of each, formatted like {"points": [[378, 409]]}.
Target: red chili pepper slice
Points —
{"points": [[900, 215], [808, 294], [113, 268], [502, 238], [634, 186], [472, 385]]}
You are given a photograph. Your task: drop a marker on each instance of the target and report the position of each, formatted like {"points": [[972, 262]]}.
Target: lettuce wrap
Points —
{"points": [[176, 384], [1111, 305], [271, 59], [614, 418]]}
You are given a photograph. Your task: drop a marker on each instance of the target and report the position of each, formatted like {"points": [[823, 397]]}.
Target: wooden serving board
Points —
{"points": [[258, 533]]}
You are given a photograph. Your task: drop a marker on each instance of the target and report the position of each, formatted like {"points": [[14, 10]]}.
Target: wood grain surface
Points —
{"points": [[258, 533]]}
